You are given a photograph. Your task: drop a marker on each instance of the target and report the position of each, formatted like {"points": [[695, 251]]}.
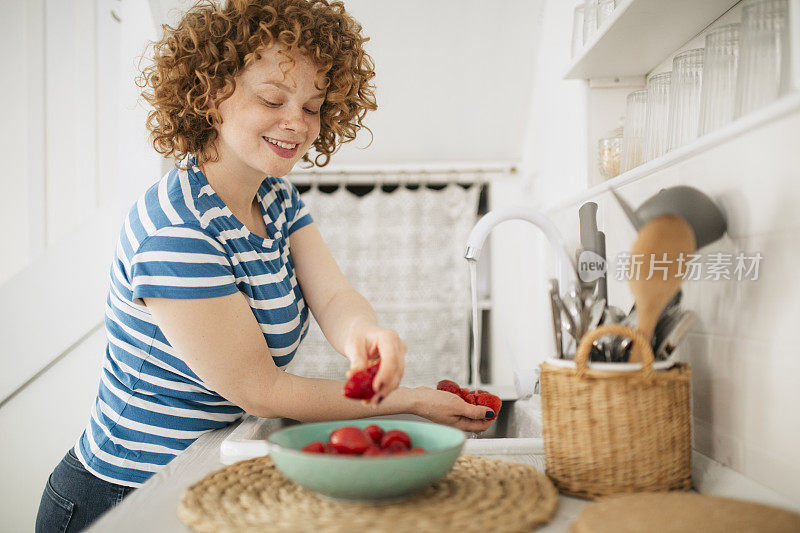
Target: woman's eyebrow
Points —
{"points": [[289, 89]]}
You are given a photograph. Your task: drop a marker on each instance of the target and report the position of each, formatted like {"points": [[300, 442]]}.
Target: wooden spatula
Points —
{"points": [[660, 243]]}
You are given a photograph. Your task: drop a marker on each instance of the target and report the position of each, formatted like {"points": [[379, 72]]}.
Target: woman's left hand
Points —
{"points": [[369, 341]]}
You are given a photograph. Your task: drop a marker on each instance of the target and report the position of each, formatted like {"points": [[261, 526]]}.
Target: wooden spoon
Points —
{"points": [[660, 243]]}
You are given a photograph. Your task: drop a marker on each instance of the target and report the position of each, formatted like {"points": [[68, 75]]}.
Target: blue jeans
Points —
{"points": [[74, 497]]}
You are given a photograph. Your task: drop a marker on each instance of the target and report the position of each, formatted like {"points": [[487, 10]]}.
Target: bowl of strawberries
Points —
{"points": [[366, 460]]}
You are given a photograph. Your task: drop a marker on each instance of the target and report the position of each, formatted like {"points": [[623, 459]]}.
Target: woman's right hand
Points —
{"points": [[448, 409]]}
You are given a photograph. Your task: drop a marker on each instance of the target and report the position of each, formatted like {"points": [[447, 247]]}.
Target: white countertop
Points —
{"points": [[153, 506]]}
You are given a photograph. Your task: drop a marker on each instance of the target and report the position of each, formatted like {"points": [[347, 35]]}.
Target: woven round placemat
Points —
{"points": [[676, 512], [478, 494]]}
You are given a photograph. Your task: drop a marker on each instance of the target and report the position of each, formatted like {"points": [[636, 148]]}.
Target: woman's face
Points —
{"points": [[271, 120]]}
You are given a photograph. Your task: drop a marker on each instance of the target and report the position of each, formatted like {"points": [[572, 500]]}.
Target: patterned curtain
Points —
{"points": [[403, 251]]}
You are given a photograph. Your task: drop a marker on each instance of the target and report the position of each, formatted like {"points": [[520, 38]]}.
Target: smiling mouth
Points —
{"points": [[282, 144], [283, 149]]}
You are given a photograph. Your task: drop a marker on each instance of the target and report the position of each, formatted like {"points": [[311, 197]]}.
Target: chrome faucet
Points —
{"points": [[564, 266], [525, 384]]}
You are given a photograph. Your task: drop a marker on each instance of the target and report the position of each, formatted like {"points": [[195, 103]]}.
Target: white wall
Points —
{"points": [[744, 360], [553, 165], [40, 424], [45, 418], [13, 145]]}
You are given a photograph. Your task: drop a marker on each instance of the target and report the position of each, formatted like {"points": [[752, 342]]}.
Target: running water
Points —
{"points": [[476, 330]]}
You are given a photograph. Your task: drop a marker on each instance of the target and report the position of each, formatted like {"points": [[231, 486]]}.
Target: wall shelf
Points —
{"points": [[640, 34], [759, 120]]}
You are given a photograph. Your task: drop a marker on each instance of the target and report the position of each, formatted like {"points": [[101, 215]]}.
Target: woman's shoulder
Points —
{"points": [[175, 202]]}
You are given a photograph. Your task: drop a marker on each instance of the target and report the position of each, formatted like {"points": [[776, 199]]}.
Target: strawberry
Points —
{"points": [[449, 386], [314, 447], [374, 432], [396, 448], [470, 398], [393, 436], [330, 450], [359, 386], [463, 392], [349, 440], [491, 401], [374, 451]]}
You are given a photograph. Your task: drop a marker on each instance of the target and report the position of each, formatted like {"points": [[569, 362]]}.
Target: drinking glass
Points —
{"points": [[605, 8], [763, 73], [609, 152], [656, 134], [718, 93], [684, 97], [589, 20], [577, 30], [633, 132]]}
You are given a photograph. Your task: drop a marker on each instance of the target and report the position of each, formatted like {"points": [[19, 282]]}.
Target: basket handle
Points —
{"points": [[640, 343]]}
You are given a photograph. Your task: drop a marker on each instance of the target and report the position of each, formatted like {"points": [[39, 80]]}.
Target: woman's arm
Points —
{"points": [[221, 341], [345, 317]]}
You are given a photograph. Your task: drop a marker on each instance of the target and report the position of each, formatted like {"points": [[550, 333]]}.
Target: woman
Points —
{"points": [[219, 263]]}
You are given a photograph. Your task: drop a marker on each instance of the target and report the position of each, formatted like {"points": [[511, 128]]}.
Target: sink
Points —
{"points": [[517, 431]]}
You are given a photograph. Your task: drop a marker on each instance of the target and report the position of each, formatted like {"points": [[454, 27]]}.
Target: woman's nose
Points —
{"points": [[294, 120]]}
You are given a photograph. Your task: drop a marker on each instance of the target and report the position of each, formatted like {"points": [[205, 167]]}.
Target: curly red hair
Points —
{"points": [[212, 44]]}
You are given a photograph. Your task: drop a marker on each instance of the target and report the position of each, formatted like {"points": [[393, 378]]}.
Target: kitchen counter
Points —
{"points": [[153, 506]]}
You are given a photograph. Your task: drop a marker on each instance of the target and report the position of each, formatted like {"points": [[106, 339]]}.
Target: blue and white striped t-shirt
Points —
{"points": [[180, 240]]}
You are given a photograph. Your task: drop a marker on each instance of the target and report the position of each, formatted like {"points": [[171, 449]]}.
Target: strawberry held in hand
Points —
{"points": [[359, 386], [449, 386], [475, 397], [489, 400]]}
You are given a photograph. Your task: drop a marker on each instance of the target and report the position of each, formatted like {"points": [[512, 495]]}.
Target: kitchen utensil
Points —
{"points": [[679, 328], [573, 304], [633, 132], [587, 215], [684, 97], [611, 315], [555, 309], [666, 321], [363, 478], [590, 242], [720, 63], [622, 345], [693, 205], [596, 314], [602, 282], [656, 129], [664, 238], [764, 67]]}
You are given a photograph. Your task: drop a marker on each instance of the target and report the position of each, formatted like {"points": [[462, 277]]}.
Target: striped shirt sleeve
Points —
{"points": [[181, 262], [297, 213]]}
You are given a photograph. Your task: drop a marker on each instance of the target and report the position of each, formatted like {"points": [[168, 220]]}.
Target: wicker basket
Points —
{"points": [[617, 432]]}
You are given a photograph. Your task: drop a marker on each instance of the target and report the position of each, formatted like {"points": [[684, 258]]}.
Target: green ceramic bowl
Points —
{"points": [[358, 478]]}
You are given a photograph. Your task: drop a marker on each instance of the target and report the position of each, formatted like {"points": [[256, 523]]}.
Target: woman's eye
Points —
{"points": [[312, 111], [271, 104]]}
